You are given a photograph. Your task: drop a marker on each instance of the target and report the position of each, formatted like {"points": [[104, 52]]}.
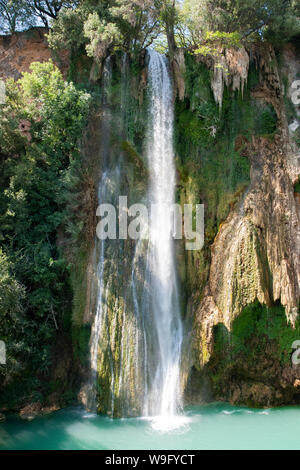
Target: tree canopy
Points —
{"points": [[13, 15], [131, 25], [20, 14], [249, 18]]}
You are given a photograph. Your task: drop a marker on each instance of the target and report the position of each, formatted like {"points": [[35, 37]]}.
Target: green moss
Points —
{"points": [[260, 338], [81, 339], [212, 164], [79, 285], [267, 324], [140, 170]]}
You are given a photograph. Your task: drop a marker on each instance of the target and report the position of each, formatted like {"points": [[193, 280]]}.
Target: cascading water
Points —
{"points": [[164, 394], [102, 196], [136, 337]]}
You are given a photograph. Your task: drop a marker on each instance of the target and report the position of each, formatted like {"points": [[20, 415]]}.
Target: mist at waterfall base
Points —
{"points": [[215, 426]]}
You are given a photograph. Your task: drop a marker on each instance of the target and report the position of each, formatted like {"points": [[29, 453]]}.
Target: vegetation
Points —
{"points": [[20, 14], [201, 26], [249, 18], [13, 15], [211, 144], [253, 356], [258, 325], [104, 26], [39, 127]]}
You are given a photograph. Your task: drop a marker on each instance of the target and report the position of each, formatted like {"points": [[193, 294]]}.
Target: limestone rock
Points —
{"points": [[31, 411], [231, 68], [256, 254]]}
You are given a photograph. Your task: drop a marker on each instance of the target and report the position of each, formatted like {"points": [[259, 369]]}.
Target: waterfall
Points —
{"points": [[136, 339], [102, 196], [164, 393]]}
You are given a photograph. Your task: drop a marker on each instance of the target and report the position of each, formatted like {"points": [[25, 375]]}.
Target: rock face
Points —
{"points": [[259, 379], [36, 409], [17, 52], [256, 253]]}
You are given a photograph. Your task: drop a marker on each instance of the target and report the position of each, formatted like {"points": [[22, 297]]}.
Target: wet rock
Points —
{"points": [[31, 411]]}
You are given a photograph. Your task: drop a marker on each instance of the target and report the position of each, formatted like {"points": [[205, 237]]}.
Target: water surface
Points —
{"points": [[215, 426]]}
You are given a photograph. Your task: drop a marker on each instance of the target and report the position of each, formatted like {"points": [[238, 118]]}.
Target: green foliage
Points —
{"points": [[228, 39], [41, 124], [202, 25], [297, 186], [106, 26], [102, 35], [11, 293], [14, 15], [137, 161], [205, 143], [256, 350], [205, 24], [81, 339], [67, 31], [46, 10], [216, 40]]}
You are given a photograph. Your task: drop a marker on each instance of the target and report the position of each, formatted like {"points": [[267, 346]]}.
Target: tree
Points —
{"points": [[47, 10], [248, 18], [127, 25], [170, 19], [19, 14], [41, 123], [13, 15], [68, 30], [130, 25], [137, 20], [11, 291]]}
